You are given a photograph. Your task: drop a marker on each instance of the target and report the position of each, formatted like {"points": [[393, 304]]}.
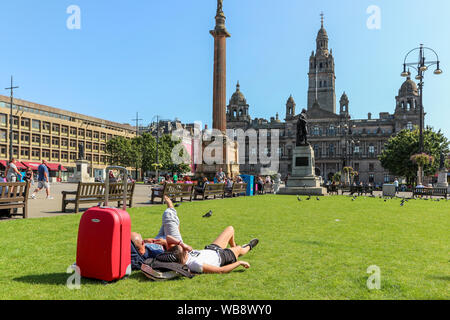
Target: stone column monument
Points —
{"points": [[81, 173], [229, 163], [303, 180]]}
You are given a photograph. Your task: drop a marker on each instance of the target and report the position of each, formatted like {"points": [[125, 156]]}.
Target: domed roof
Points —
{"points": [[238, 97], [408, 88], [322, 33]]}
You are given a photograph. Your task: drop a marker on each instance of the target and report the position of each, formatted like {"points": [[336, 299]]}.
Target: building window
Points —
{"points": [[371, 167], [24, 153], [316, 151], [55, 142], [387, 179], [356, 165], [371, 178], [73, 131], [46, 126], [64, 130], [36, 154], [356, 149], [331, 150], [81, 132], [25, 137], [55, 128], [331, 130], [409, 126], [25, 123], [3, 119], [36, 125], [316, 131], [36, 139], [371, 150], [46, 140], [55, 155], [46, 154]]}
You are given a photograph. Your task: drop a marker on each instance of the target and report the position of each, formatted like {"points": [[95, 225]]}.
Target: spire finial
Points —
{"points": [[238, 86], [321, 18]]}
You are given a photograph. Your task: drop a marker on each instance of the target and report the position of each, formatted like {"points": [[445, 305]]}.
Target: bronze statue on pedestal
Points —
{"points": [[302, 130]]}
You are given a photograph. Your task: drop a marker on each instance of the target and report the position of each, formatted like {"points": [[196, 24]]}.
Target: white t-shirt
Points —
{"points": [[197, 258]]}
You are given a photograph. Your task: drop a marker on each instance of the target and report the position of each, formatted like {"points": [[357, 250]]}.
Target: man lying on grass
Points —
{"points": [[216, 257], [151, 248]]}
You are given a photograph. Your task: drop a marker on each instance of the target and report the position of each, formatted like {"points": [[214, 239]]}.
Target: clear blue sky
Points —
{"points": [[156, 56]]}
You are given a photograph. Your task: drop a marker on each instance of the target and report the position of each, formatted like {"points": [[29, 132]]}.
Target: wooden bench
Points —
{"points": [[332, 189], [216, 189], [237, 189], [430, 192], [95, 193], [173, 191], [14, 195], [345, 189]]}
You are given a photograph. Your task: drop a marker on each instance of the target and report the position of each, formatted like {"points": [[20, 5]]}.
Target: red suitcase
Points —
{"points": [[104, 233]]}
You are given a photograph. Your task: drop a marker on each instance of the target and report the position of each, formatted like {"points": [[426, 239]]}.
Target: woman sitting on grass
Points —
{"points": [[216, 257]]}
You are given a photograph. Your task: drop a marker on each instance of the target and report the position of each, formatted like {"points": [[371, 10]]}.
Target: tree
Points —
{"points": [[397, 153], [121, 152], [141, 152]]}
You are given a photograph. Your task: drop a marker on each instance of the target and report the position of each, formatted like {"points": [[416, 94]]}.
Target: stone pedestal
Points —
{"points": [[303, 180], [442, 179], [81, 173], [229, 165]]}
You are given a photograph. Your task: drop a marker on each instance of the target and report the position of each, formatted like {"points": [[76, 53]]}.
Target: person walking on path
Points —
{"points": [[43, 181]]}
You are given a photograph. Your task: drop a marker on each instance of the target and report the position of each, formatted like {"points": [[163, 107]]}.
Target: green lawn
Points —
{"points": [[308, 250]]}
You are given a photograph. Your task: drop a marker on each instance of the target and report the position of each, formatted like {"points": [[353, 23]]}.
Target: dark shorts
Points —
{"points": [[226, 255]]}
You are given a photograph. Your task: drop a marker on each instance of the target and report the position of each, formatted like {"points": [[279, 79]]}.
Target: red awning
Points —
{"points": [[50, 166], [55, 167], [19, 165]]}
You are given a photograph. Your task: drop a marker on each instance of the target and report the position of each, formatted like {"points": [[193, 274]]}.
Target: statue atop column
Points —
{"points": [[302, 130], [81, 151]]}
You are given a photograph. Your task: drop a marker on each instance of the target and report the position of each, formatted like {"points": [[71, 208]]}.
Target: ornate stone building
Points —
{"points": [[337, 139]]}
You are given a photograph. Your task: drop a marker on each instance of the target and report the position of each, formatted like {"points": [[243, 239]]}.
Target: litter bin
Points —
{"points": [[249, 180]]}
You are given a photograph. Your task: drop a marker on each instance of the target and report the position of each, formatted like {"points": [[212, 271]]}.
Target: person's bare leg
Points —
{"points": [[226, 238], [239, 251]]}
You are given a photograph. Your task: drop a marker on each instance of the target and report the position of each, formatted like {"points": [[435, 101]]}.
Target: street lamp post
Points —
{"points": [[157, 148], [11, 154], [421, 66]]}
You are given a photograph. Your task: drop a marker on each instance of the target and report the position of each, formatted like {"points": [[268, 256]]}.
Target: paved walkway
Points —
{"points": [[41, 207]]}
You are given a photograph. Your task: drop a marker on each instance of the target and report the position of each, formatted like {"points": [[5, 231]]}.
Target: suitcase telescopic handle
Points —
{"points": [[125, 184]]}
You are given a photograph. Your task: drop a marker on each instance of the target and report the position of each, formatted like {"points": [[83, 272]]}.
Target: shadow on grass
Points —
{"points": [[48, 278], [56, 279]]}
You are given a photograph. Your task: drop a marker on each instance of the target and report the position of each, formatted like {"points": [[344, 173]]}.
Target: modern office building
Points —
{"points": [[43, 132]]}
